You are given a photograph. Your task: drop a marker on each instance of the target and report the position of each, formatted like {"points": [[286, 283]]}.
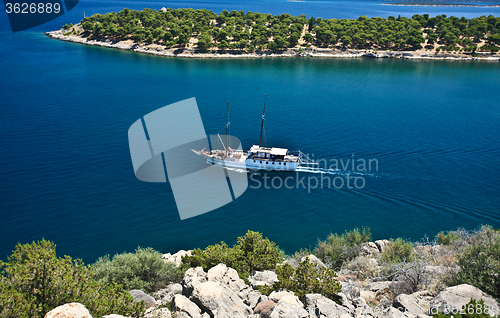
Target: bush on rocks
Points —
{"points": [[34, 281], [480, 262], [338, 249], [145, 270], [398, 251], [251, 253], [305, 279]]}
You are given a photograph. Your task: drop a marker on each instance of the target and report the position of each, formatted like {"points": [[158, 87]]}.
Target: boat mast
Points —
{"points": [[227, 129], [262, 127]]}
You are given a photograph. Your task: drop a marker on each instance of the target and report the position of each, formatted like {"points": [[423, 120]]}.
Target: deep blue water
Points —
{"points": [[433, 126]]}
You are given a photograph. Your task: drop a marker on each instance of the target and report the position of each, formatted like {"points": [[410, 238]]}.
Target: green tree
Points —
{"points": [[250, 253], [35, 281], [480, 262], [398, 251], [204, 41], [145, 269], [306, 279]]}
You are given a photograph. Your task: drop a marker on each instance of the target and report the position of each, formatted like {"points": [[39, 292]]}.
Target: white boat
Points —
{"points": [[257, 158]]}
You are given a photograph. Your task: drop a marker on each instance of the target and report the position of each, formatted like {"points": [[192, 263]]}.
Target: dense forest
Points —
{"points": [[250, 31]]}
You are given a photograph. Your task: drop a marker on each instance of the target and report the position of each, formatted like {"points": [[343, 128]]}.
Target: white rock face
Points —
{"points": [[277, 295], [184, 305], [192, 278], [319, 306], [177, 257], [71, 310], [457, 296], [415, 304], [158, 313], [289, 307], [263, 278], [313, 259], [229, 277], [139, 295], [219, 301]]}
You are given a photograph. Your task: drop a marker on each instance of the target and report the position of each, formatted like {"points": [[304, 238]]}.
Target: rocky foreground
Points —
{"points": [[155, 49], [221, 293]]}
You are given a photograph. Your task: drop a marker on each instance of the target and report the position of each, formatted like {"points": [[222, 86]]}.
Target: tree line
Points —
{"points": [[251, 31]]}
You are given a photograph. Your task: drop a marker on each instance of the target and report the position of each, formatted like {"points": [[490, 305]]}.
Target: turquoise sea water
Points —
{"points": [[66, 172]]}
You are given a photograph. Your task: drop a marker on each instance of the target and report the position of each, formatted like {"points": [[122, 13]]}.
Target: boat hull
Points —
{"points": [[255, 164]]}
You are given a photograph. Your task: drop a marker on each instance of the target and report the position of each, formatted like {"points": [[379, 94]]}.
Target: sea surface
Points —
{"points": [[65, 166]]}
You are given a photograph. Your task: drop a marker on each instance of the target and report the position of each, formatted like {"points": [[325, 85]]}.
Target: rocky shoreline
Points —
{"points": [[316, 52], [221, 293]]}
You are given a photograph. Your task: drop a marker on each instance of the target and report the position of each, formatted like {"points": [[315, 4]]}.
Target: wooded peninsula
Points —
{"points": [[238, 32]]}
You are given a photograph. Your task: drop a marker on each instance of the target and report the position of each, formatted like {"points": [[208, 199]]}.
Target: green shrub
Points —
{"points": [[338, 249], [306, 279], [144, 269], [480, 261], [34, 281], [473, 309], [250, 253], [447, 238], [398, 251]]}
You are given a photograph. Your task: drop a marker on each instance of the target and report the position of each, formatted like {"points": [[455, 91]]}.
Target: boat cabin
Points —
{"points": [[267, 153]]}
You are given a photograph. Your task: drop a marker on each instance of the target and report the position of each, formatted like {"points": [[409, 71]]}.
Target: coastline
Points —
{"points": [[442, 5], [158, 50]]}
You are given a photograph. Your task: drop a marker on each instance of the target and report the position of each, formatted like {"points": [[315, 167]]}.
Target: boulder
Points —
{"points": [[277, 295], [453, 298], [318, 305], [289, 307], [391, 312], [313, 259], [376, 286], [265, 308], [370, 248], [192, 278], [165, 295], [229, 277], [139, 295], [263, 278], [185, 307], [381, 244], [416, 304], [253, 298], [157, 313], [177, 257], [359, 302], [219, 301], [345, 302], [71, 310]]}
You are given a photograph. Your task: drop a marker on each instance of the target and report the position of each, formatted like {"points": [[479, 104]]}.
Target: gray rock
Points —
{"points": [[229, 277], [370, 248], [313, 259], [453, 298], [71, 310], [263, 278], [219, 301], [359, 302], [165, 295], [318, 305], [192, 278], [345, 302], [265, 308], [381, 244], [157, 313], [376, 286], [415, 304], [253, 298], [139, 295], [289, 307], [177, 257], [277, 295], [391, 312], [182, 304]]}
